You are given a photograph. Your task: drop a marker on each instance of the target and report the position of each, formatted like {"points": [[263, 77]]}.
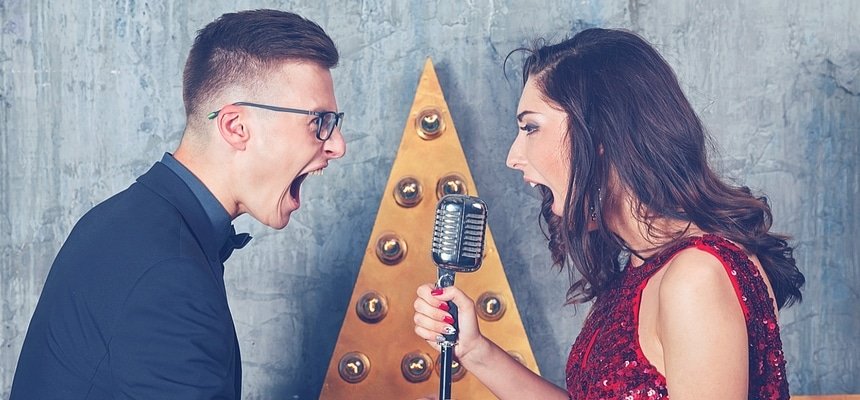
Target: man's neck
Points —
{"points": [[201, 161]]}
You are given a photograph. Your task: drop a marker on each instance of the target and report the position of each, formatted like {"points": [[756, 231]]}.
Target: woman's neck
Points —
{"points": [[646, 238]]}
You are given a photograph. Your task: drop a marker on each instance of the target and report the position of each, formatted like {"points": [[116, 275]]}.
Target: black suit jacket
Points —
{"points": [[134, 305]]}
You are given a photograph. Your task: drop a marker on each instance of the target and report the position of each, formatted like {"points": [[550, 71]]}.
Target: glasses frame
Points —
{"points": [[338, 116]]}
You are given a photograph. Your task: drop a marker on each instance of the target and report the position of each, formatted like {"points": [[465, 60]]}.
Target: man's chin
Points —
{"points": [[278, 222], [285, 220], [282, 217]]}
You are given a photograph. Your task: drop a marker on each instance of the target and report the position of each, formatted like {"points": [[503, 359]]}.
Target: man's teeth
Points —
{"points": [[316, 172], [532, 184]]}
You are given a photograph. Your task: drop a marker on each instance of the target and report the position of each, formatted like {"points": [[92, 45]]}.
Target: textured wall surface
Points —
{"points": [[90, 96]]}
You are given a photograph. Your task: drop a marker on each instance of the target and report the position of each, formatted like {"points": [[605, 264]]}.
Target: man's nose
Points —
{"points": [[335, 146]]}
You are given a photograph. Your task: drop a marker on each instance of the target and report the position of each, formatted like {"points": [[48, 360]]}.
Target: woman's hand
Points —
{"points": [[432, 319], [506, 377]]}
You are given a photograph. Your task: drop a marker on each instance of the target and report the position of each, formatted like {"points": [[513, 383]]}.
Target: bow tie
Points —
{"points": [[234, 241]]}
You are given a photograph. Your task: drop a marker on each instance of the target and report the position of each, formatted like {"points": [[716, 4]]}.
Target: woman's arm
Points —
{"points": [[498, 371], [702, 330]]}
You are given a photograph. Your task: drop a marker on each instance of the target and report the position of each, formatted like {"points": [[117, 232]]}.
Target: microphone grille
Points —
{"points": [[458, 233], [473, 235]]}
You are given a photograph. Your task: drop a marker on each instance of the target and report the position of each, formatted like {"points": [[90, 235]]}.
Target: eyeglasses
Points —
{"points": [[326, 120]]}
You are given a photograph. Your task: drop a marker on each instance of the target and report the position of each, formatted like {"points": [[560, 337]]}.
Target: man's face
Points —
{"points": [[283, 148]]}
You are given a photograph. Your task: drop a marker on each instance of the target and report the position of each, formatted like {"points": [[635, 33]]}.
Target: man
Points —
{"points": [[134, 305]]}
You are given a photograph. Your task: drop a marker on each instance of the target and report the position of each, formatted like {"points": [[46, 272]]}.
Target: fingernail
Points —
{"points": [[448, 319], [444, 307], [436, 292], [449, 330]]}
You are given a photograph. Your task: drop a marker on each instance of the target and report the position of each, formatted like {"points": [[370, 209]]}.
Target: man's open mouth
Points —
{"points": [[296, 186]]}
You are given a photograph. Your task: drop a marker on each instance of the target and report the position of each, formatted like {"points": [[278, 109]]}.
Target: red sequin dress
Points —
{"points": [[606, 361]]}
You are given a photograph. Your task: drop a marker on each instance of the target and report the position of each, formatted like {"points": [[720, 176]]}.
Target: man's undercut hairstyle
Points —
{"points": [[239, 48]]}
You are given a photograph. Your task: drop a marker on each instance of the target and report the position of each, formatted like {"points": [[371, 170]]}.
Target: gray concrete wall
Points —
{"points": [[90, 96]]}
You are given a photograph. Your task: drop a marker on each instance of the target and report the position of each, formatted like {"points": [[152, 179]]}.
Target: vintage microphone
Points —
{"points": [[458, 246]]}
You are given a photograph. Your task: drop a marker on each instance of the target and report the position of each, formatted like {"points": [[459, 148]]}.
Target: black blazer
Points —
{"points": [[134, 305]]}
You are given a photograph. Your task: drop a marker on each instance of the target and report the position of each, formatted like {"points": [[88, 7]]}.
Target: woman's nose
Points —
{"points": [[516, 159]]}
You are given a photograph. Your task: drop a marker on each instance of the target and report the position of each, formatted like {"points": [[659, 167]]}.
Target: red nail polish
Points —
{"points": [[436, 292], [444, 307], [448, 319]]}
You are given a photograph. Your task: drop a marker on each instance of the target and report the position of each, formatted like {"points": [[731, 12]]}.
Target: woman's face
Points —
{"points": [[541, 148]]}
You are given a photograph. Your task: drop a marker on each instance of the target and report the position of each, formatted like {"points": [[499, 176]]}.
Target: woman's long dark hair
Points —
{"points": [[632, 131]]}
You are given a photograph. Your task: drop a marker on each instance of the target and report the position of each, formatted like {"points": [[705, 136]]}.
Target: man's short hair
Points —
{"points": [[239, 48]]}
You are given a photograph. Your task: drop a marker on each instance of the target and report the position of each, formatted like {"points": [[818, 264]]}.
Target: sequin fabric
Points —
{"points": [[606, 361]]}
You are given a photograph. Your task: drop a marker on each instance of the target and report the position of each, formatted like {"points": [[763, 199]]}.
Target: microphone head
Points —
{"points": [[458, 234]]}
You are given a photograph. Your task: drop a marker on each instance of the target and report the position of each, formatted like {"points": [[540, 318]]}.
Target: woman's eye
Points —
{"points": [[315, 121], [528, 128]]}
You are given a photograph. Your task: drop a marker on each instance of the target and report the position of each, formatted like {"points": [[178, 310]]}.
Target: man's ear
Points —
{"points": [[232, 126]]}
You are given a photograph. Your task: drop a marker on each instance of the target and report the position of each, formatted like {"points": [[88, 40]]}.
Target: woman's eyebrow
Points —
{"points": [[523, 114]]}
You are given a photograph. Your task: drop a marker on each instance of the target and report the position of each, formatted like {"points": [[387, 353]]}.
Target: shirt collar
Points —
{"points": [[218, 216]]}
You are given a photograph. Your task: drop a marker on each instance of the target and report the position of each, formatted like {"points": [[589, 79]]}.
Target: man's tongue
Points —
{"points": [[296, 187]]}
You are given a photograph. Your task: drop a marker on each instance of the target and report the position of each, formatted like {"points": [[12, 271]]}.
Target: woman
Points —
{"points": [[686, 276]]}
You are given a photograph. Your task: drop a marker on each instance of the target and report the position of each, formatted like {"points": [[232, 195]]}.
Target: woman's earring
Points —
{"points": [[593, 210]]}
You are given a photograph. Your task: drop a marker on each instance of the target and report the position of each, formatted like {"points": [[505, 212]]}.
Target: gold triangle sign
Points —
{"points": [[377, 355]]}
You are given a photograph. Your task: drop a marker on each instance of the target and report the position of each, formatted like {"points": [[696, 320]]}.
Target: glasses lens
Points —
{"points": [[327, 123]]}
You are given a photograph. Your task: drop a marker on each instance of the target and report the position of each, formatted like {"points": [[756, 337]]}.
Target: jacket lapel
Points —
{"points": [[161, 180]]}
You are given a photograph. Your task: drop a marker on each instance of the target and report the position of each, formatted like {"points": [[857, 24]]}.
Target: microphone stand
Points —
{"points": [[446, 279]]}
